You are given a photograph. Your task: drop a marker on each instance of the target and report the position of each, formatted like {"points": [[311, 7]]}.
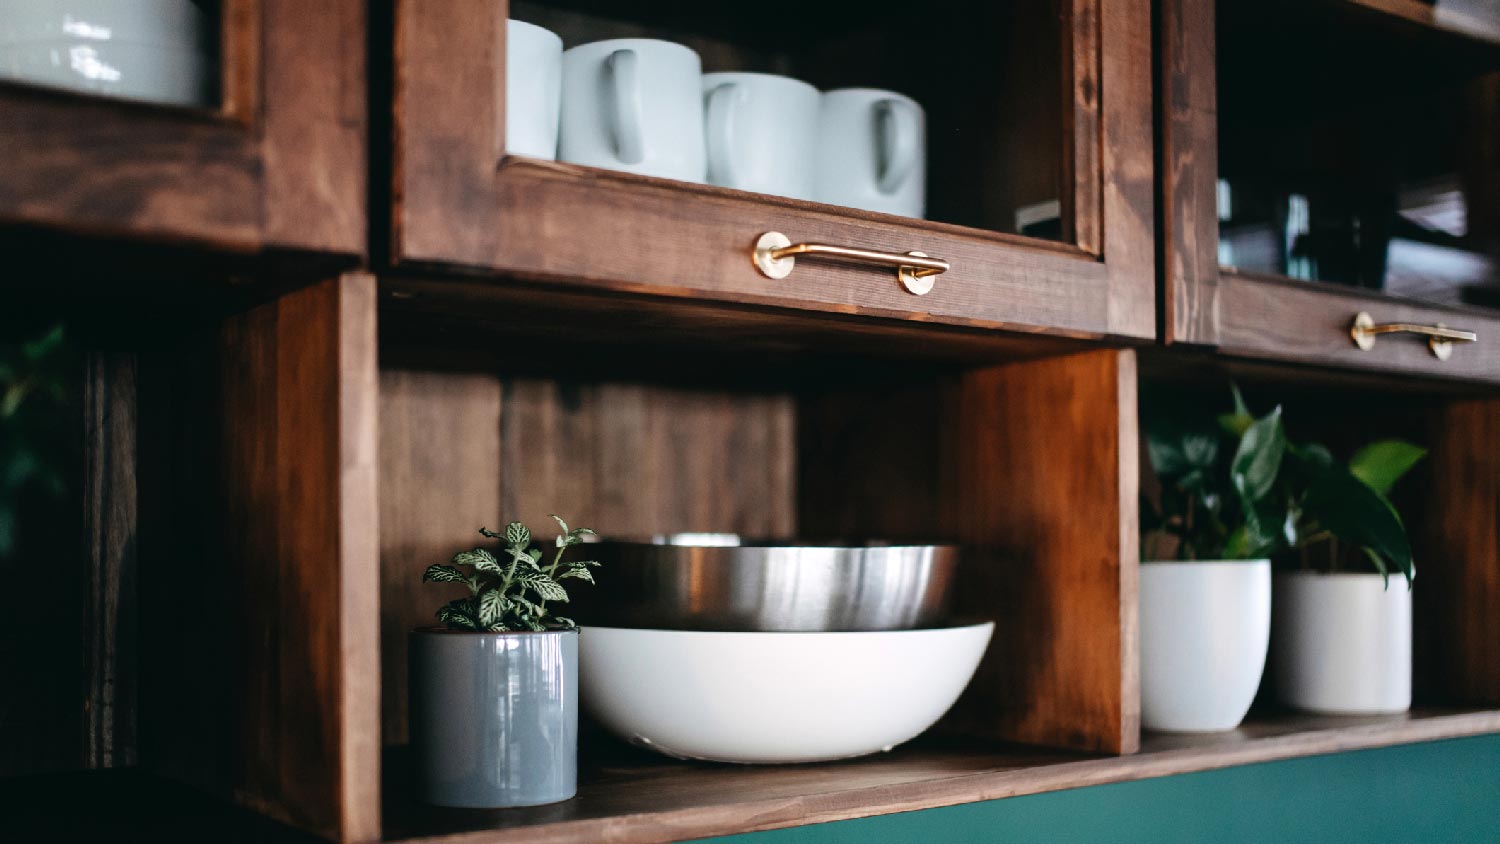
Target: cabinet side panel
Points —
{"points": [[1457, 589], [294, 673], [1044, 481]]}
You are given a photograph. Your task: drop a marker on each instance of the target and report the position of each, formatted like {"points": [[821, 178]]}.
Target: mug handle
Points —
{"points": [[897, 133], [719, 134], [624, 71]]}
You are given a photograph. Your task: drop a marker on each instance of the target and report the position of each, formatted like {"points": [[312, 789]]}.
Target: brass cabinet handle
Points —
{"points": [[775, 255], [1440, 338]]}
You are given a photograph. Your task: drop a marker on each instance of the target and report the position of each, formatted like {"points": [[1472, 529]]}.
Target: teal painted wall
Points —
{"points": [[1412, 794]]}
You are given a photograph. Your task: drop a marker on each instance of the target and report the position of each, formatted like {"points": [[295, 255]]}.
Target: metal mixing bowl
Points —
{"points": [[718, 582]]}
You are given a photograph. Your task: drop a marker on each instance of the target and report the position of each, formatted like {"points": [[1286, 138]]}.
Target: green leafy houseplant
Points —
{"points": [[1235, 487], [510, 592], [1217, 476], [33, 388], [1335, 508]]}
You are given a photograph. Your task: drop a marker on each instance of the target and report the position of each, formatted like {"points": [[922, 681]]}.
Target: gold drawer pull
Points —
{"points": [[775, 255], [1440, 338]]}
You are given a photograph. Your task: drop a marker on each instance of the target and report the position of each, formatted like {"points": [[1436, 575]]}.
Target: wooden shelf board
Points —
{"points": [[423, 315], [626, 796]]}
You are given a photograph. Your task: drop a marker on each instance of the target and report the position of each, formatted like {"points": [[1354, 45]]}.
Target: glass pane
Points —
{"points": [[163, 51], [1357, 149], [953, 114]]}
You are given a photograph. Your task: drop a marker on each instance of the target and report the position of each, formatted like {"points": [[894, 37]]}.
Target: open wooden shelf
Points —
{"points": [[627, 796]]}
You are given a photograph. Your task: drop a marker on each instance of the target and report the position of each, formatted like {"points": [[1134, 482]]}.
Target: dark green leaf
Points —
{"points": [[1312, 454], [517, 534], [443, 574], [456, 618], [1235, 424], [1258, 458], [1175, 449], [1349, 509], [1263, 531], [491, 534], [1381, 464], [535, 555], [526, 606]]}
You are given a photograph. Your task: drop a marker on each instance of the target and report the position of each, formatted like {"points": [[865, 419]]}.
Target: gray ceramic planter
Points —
{"points": [[494, 717]]}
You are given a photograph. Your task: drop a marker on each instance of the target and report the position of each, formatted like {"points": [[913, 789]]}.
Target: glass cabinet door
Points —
{"points": [[1007, 142], [1332, 177], [230, 124]]}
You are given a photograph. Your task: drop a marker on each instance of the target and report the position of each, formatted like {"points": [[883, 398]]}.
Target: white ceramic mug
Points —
{"points": [[761, 133], [154, 50], [533, 89], [634, 104], [872, 152]]}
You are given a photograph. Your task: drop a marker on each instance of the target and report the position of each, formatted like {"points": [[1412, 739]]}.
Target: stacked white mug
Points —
{"points": [[644, 106], [153, 50]]}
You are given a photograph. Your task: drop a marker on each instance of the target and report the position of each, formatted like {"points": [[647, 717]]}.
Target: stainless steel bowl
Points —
{"points": [[718, 582]]}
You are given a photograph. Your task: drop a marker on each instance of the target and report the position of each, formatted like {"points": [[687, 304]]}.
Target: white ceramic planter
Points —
{"points": [[1342, 643], [1204, 632]]}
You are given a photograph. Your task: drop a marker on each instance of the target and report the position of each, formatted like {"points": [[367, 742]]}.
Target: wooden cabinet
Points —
{"points": [[1351, 169], [1031, 112], [276, 160]]}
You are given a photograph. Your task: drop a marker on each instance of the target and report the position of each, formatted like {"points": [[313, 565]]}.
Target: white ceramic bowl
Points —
{"points": [[774, 697]]}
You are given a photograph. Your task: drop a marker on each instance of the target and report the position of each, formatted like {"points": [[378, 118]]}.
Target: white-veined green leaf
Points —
{"points": [[479, 558], [577, 570], [492, 607], [456, 618], [443, 574], [543, 585], [517, 534]]}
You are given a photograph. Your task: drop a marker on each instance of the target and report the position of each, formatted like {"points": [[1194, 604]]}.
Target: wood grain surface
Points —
{"points": [[439, 483], [109, 520], [1187, 171], [457, 205], [464, 450], [1044, 471], [1032, 467], [629, 797], [279, 164], [1295, 321], [281, 705], [1457, 629]]}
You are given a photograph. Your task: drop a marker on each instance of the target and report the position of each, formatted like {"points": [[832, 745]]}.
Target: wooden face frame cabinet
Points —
{"points": [[1270, 316], [278, 164], [459, 202]]}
